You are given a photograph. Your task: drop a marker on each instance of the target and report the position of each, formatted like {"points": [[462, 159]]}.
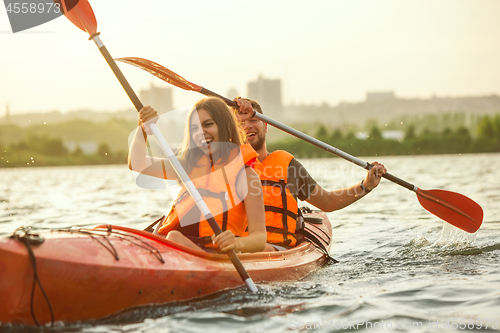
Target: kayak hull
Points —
{"points": [[105, 270]]}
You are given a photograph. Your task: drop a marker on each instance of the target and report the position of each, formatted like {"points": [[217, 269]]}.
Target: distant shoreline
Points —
{"points": [[125, 164], [87, 143]]}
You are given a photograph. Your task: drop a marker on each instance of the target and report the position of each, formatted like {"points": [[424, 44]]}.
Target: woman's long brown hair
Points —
{"points": [[229, 131]]}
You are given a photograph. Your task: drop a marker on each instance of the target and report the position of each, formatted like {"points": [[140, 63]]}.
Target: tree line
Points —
{"points": [[47, 144], [448, 141], [37, 150]]}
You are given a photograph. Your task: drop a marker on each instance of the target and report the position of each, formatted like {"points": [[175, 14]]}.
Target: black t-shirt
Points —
{"points": [[299, 182]]}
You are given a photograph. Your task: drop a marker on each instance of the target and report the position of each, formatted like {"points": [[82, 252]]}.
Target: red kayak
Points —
{"points": [[85, 274]]}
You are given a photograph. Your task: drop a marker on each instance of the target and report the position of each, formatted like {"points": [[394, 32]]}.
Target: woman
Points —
{"points": [[210, 156]]}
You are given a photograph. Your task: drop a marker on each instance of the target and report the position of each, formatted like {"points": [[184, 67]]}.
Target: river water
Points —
{"points": [[401, 268]]}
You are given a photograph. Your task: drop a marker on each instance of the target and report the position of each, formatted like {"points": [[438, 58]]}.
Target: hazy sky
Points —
{"points": [[324, 50]]}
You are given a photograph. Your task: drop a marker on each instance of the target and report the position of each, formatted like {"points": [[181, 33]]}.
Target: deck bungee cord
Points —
{"points": [[102, 237], [122, 236], [24, 235], [71, 262], [313, 236]]}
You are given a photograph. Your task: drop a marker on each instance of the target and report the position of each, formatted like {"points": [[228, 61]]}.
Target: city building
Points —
{"points": [[380, 95], [159, 98], [232, 93], [7, 113], [268, 93]]}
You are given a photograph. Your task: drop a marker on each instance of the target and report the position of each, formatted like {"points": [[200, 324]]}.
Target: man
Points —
{"points": [[285, 180]]}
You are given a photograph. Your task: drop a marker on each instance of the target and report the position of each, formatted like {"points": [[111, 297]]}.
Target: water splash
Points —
{"points": [[452, 241], [453, 238]]}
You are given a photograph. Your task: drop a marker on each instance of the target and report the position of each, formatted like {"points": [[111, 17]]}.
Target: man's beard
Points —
{"points": [[259, 143]]}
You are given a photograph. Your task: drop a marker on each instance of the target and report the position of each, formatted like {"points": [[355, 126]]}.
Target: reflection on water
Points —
{"points": [[398, 263]]}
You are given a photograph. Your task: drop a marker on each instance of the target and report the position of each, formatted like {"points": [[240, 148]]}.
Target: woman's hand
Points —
{"points": [[147, 115], [374, 175], [226, 241]]}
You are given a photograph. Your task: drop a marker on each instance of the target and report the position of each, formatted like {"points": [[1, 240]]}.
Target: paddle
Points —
{"points": [[452, 207], [83, 17]]}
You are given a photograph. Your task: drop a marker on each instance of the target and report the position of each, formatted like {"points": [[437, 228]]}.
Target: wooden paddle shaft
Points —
{"points": [[193, 191], [179, 170]]}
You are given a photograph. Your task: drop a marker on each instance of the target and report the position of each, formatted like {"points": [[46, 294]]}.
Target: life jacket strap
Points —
{"points": [[281, 231], [284, 215], [222, 197], [207, 193], [200, 240], [279, 184], [281, 211]]}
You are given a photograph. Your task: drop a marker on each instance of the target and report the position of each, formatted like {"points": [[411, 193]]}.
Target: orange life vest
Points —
{"points": [[217, 185], [280, 205]]}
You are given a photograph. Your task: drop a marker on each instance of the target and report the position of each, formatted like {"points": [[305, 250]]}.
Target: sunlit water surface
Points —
{"points": [[401, 268]]}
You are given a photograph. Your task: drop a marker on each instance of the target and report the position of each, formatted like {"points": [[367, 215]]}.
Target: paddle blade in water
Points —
{"points": [[80, 13], [161, 72], [454, 208]]}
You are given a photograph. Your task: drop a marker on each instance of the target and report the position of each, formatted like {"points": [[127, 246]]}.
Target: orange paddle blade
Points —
{"points": [[454, 208], [161, 72], [80, 13]]}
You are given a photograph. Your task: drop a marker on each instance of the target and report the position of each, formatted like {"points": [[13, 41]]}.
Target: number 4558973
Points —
{"points": [[33, 7], [463, 324]]}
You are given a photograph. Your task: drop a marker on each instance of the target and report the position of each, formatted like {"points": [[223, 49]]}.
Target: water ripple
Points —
{"points": [[398, 263]]}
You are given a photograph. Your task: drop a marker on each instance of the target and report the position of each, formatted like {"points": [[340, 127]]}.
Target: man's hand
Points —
{"points": [[245, 110], [374, 175]]}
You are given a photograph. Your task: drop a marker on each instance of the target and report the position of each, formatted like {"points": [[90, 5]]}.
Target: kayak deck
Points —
{"points": [[93, 273]]}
